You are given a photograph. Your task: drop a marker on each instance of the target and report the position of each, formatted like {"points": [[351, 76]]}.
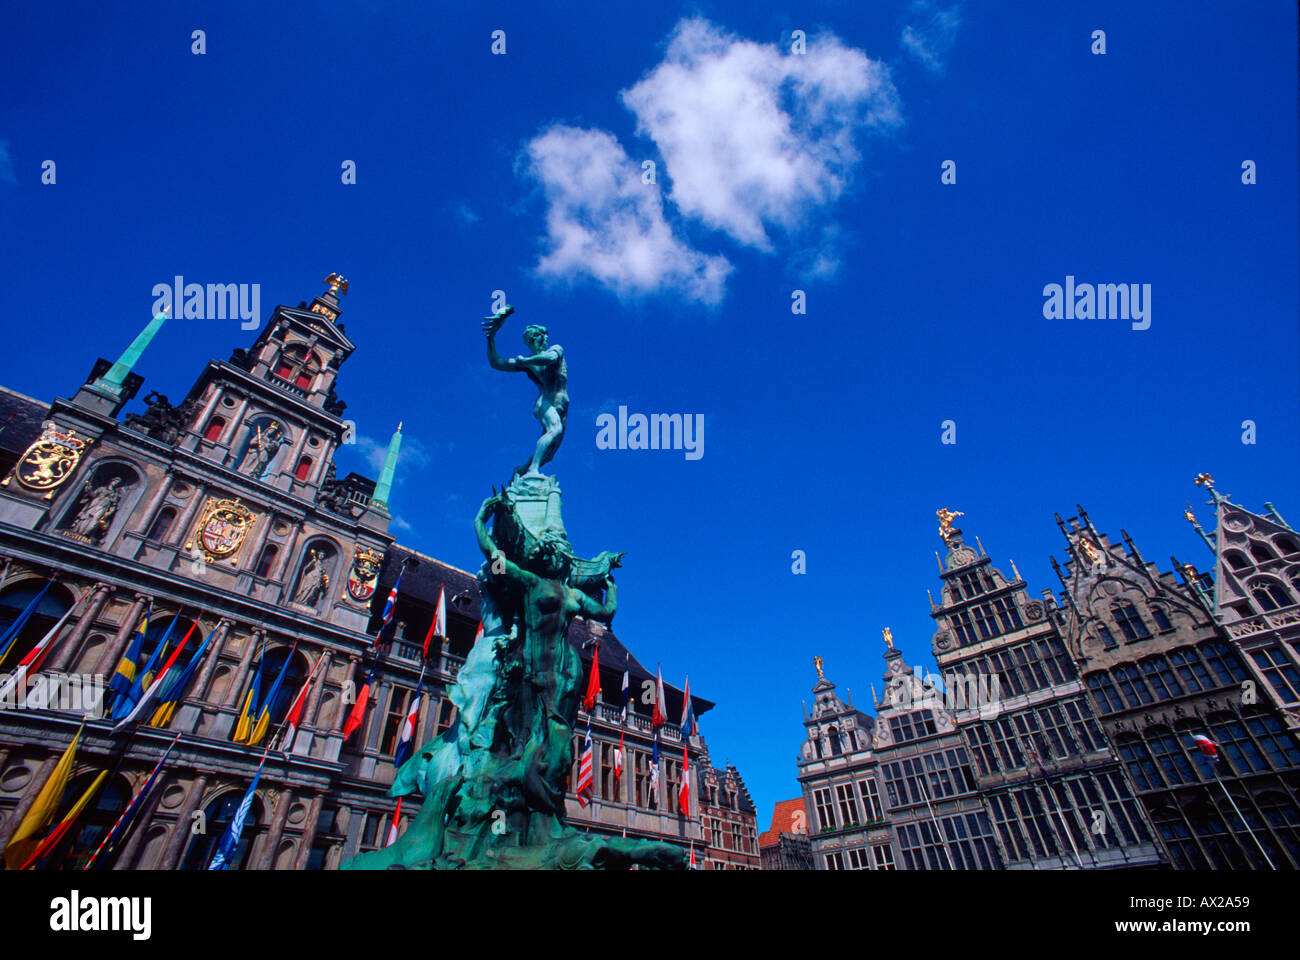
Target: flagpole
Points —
{"points": [[311, 675], [1224, 786], [938, 832]]}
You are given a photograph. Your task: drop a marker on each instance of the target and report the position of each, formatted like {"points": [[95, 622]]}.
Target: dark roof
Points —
{"points": [[743, 800], [420, 587], [20, 420]]}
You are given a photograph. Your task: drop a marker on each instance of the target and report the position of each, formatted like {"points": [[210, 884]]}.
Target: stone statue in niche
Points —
{"points": [[263, 447], [97, 511], [315, 578]]}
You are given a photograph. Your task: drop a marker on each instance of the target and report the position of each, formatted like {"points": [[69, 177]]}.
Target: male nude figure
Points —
{"points": [[545, 366]]}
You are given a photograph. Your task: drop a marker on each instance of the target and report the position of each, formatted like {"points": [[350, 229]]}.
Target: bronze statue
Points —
{"points": [[544, 366]]}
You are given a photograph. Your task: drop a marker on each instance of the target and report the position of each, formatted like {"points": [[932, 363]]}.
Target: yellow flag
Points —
{"points": [[59, 832], [259, 731], [24, 842], [242, 728]]}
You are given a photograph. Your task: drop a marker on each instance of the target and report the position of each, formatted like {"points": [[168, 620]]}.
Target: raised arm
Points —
{"points": [[604, 612], [500, 564], [490, 326]]}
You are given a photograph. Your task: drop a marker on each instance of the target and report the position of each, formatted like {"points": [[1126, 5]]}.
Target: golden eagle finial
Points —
{"points": [[337, 282]]}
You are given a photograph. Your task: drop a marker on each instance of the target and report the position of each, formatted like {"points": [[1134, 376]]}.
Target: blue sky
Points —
{"points": [[775, 172]]}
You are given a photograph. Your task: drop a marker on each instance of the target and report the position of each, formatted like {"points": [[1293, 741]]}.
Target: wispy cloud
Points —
{"points": [[754, 136], [930, 39], [466, 215], [413, 455], [603, 222], [6, 163], [750, 137]]}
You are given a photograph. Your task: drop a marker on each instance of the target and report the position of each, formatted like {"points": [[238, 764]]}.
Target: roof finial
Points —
{"points": [[889, 637], [946, 518], [817, 662]]}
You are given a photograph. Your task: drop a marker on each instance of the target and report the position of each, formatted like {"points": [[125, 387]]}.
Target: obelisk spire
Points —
{"points": [[118, 372], [385, 484]]}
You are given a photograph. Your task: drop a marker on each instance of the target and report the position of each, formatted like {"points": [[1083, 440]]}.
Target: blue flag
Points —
{"points": [[230, 839]]}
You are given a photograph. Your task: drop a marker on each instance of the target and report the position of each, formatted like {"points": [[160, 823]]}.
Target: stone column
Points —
{"points": [[33, 788], [150, 510], [171, 857], [309, 831], [108, 662], [200, 687], [354, 660], [68, 648], [126, 859], [318, 688], [253, 644], [266, 859], [185, 518]]}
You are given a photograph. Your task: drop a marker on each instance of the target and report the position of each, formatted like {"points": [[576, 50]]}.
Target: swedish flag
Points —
{"points": [[245, 725], [124, 676], [264, 721]]}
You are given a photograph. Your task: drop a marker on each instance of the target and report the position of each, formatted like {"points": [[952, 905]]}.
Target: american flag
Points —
{"points": [[586, 781]]}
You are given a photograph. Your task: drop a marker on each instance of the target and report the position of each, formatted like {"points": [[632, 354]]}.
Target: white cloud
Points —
{"points": [[412, 455], [933, 37], [603, 222], [753, 136]]}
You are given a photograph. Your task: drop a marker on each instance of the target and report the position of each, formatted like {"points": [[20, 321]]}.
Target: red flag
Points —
{"points": [[478, 634], [1206, 745], [438, 628], [358, 713], [392, 828], [657, 717], [294, 719], [593, 682], [684, 793], [586, 778], [618, 763]]}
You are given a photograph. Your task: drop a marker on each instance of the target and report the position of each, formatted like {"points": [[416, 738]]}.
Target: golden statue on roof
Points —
{"points": [[817, 662], [1204, 480], [889, 637], [337, 282], [946, 518]]}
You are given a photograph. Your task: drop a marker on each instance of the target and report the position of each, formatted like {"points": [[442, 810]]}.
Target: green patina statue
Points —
{"points": [[495, 782]]}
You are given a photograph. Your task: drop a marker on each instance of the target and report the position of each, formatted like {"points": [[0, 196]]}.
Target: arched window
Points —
{"points": [[267, 558], [289, 686], [1286, 545], [1270, 595], [1236, 559], [161, 524], [216, 426], [219, 813], [303, 469], [1260, 552], [1162, 621], [13, 602]]}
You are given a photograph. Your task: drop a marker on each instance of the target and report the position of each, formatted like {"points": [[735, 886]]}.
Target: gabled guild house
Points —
{"points": [[210, 545]]}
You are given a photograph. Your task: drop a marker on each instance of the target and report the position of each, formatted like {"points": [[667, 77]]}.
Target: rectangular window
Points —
{"points": [[870, 799], [884, 855], [1280, 672], [825, 812], [399, 702], [848, 809]]}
